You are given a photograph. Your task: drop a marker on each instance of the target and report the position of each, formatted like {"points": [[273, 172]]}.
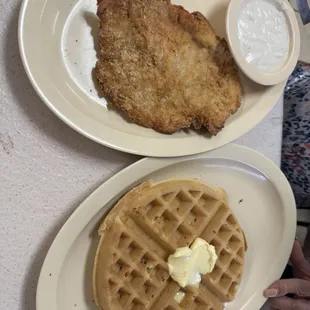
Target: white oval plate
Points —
{"points": [[57, 46], [267, 214]]}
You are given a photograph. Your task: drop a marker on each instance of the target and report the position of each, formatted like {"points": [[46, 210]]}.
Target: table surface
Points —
{"points": [[47, 169]]}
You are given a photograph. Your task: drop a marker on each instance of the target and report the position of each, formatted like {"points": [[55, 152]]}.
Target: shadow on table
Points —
{"points": [[37, 113]]}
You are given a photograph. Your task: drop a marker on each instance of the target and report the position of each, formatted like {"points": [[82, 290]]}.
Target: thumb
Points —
{"points": [[298, 260], [297, 287]]}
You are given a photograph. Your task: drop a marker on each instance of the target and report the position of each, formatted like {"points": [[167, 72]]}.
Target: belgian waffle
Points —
{"points": [[146, 226]]}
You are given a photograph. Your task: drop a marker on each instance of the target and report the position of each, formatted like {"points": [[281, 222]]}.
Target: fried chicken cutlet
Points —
{"points": [[164, 67]]}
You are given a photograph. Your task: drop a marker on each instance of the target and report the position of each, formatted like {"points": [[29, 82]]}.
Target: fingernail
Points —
{"points": [[271, 292]]}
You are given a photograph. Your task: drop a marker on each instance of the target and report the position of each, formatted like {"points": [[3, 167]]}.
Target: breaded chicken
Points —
{"points": [[165, 68]]}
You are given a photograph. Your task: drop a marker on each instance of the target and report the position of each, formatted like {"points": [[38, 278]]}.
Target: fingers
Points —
{"points": [[297, 255], [289, 286], [298, 259], [286, 303]]}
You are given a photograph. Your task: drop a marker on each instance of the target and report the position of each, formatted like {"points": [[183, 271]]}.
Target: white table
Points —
{"points": [[47, 169]]}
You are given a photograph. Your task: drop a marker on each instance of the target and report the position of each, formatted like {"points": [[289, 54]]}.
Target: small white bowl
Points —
{"points": [[264, 78]]}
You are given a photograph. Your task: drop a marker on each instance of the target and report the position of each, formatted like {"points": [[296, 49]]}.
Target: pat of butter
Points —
{"points": [[187, 265], [178, 297]]}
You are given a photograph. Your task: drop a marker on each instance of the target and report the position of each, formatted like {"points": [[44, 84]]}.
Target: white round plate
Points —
{"points": [[57, 41], [258, 193], [250, 70]]}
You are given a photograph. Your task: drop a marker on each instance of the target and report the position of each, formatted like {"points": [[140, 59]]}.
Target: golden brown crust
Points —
{"points": [[146, 226], [165, 68]]}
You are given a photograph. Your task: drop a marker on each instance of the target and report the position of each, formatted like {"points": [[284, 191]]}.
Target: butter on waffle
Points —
{"points": [[147, 225]]}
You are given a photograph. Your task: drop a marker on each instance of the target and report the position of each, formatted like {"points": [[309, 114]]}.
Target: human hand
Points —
{"points": [[299, 286]]}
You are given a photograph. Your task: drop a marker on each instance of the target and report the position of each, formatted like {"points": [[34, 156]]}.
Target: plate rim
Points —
{"points": [[161, 149], [119, 183]]}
